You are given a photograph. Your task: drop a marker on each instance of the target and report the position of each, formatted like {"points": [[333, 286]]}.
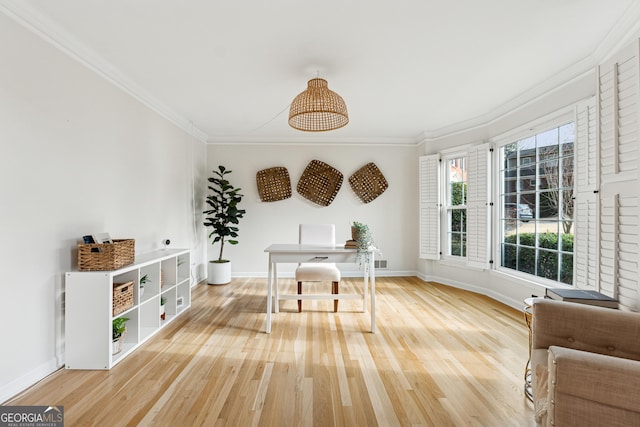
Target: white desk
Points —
{"points": [[294, 253]]}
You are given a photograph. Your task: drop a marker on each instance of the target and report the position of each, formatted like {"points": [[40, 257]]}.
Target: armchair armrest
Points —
{"points": [[592, 389]]}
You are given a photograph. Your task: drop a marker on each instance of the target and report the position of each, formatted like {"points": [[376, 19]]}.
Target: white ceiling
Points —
{"points": [[405, 68]]}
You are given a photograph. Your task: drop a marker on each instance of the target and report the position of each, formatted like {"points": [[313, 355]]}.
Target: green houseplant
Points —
{"points": [[163, 301], [143, 281], [118, 330], [361, 233], [223, 216]]}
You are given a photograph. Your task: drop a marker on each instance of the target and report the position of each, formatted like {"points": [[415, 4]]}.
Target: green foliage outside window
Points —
{"points": [[458, 218], [523, 256]]}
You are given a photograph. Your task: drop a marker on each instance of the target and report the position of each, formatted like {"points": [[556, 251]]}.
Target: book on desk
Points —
{"points": [[581, 296]]}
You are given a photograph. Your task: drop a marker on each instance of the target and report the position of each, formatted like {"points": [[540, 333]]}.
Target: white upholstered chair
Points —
{"points": [[318, 235]]}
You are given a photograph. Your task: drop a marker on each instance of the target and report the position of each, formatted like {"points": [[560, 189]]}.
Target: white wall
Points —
{"points": [[391, 217], [77, 155]]}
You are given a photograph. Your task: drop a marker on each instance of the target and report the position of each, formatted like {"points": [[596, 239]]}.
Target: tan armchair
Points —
{"points": [[586, 365]]}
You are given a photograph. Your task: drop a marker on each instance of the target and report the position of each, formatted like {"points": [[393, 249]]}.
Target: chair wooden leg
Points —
{"points": [[299, 301], [334, 290]]}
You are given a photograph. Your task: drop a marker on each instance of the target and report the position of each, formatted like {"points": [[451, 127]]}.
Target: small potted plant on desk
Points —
{"points": [[223, 217], [364, 242], [118, 331]]}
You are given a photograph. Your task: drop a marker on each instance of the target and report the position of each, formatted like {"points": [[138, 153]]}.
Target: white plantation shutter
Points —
{"points": [[429, 189], [585, 244], [619, 248], [618, 108], [618, 92], [478, 206]]}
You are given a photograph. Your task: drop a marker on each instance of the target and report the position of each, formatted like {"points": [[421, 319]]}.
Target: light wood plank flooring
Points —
{"points": [[441, 357]]}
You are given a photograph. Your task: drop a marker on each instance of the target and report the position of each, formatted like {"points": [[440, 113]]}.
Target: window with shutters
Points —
{"points": [[536, 215], [455, 208], [456, 205]]}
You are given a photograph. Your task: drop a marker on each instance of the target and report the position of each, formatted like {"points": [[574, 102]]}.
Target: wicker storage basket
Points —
{"points": [[106, 256], [122, 297]]}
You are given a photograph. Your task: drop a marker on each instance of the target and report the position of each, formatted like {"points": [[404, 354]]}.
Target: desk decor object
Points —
{"points": [[368, 182], [320, 183], [273, 184]]}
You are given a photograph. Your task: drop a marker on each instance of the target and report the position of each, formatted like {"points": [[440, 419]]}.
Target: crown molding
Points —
{"points": [[531, 96], [52, 33], [312, 139], [626, 30]]}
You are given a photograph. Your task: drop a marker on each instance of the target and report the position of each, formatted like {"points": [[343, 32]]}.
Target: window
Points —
{"points": [[456, 202], [536, 204]]}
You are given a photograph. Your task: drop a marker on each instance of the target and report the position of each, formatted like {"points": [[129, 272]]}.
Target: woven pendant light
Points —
{"points": [[318, 109]]}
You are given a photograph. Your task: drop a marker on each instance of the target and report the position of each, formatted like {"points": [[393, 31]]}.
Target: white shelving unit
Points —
{"points": [[89, 306]]}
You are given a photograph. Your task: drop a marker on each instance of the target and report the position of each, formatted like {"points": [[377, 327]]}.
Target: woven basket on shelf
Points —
{"points": [[320, 183], [273, 184], [106, 256], [122, 297], [368, 182]]}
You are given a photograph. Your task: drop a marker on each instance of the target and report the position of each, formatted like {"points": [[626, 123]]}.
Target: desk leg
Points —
{"points": [[365, 280], [372, 271], [276, 287], [269, 296]]}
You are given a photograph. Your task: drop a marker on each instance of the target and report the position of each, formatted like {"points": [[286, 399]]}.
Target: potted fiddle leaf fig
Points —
{"points": [[223, 217]]}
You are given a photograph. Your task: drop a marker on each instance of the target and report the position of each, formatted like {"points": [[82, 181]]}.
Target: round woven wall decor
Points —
{"points": [[320, 183], [273, 184], [368, 182]]}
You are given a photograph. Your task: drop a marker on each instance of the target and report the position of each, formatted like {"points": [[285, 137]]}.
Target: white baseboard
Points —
{"points": [[511, 302], [20, 384]]}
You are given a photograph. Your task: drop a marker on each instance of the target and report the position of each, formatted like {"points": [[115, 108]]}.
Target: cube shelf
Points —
{"points": [[89, 306]]}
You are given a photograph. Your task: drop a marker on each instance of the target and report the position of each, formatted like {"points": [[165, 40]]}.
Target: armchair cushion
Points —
{"points": [[592, 356], [592, 389]]}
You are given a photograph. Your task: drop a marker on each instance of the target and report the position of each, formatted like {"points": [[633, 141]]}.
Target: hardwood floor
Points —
{"points": [[441, 357]]}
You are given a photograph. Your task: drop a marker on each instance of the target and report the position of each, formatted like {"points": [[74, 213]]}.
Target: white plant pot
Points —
{"points": [[219, 273], [117, 344]]}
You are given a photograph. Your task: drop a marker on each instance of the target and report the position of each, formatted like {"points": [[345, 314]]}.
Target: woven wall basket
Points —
{"points": [[273, 184], [368, 182], [320, 183]]}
